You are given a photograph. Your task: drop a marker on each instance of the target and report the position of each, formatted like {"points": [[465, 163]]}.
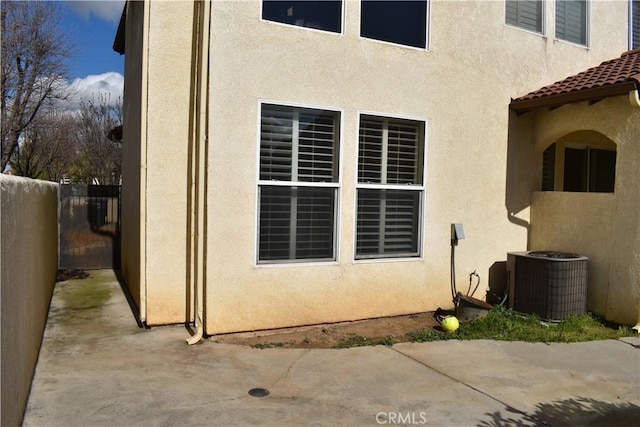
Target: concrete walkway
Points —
{"points": [[97, 368]]}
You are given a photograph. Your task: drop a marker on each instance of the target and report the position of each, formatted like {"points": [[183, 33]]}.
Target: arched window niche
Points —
{"points": [[582, 161]]}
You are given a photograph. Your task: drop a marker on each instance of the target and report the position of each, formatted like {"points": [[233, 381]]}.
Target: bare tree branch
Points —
{"points": [[34, 49]]}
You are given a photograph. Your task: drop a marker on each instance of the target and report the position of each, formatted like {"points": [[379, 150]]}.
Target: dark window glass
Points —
{"points": [[589, 169], [321, 15], [575, 169], [401, 22], [602, 170]]}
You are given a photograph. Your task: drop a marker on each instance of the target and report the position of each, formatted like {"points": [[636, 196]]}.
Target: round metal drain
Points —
{"points": [[258, 392]]}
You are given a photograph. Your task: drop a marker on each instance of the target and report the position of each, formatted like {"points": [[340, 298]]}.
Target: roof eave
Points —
{"points": [[118, 42], [594, 94]]}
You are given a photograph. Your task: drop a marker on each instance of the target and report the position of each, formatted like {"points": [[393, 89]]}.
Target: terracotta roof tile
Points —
{"points": [[624, 69]]}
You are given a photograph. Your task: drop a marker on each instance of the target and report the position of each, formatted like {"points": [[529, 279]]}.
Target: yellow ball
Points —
{"points": [[450, 323]]}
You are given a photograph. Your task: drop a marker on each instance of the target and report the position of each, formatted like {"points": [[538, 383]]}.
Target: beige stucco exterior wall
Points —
{"points": [[167, 171], [132, 199], [604, 227], [156, 172], [579, 223], [28, 265], [461, 86]]}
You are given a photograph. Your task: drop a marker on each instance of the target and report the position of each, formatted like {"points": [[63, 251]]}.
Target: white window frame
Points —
{"points": [[587, 24], [543, 23], [317, 30], [427, 35], [336, 185], [420, 238]]}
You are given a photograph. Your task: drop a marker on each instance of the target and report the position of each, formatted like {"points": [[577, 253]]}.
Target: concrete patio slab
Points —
{"points": [[98, 368]]}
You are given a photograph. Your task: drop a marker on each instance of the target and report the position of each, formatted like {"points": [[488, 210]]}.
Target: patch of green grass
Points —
{"points": [[353, 340], [268, 345], [507, 325]]}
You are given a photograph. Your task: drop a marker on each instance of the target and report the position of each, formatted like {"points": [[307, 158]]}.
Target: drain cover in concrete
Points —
{"points": [[259, 392]]}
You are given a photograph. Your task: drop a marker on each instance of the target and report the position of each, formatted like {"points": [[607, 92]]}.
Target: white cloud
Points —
{"points": [[107, 10], [91, 88]]}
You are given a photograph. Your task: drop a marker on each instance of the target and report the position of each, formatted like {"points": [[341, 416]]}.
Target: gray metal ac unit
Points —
{"points": [[552, 285]]}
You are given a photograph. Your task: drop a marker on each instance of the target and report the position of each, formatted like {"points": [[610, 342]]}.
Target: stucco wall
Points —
{"points": [[461, 85], [579, 223], [614, 293], [28, 265], [132, 219], [167, 160], [155, 158]]}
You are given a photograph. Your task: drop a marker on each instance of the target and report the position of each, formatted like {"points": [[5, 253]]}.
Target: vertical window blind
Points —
{"points": [[526, 14], [571, 21], [390, 191], [634, 23], [298, 183]]}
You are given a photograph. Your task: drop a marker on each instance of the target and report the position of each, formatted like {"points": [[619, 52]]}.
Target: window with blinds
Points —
{"points": [[525, 14], [571, 21], [298, 183], [390, 187], [634, 24]]}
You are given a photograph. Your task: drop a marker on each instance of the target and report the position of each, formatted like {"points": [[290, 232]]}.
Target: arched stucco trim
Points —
{"points": [[550, 126]]}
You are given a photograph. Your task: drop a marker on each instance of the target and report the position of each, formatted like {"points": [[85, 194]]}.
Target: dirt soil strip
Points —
{"points": [[330, 335]]}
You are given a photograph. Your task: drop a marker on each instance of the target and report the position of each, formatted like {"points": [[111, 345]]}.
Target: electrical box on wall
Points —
{"points": [[457, 233]]}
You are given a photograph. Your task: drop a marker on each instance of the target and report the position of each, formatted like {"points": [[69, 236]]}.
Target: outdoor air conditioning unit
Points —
{"points": [[552, 285]]}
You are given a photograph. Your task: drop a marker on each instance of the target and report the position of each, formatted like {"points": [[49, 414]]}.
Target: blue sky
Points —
{"points": [[94, 67]]}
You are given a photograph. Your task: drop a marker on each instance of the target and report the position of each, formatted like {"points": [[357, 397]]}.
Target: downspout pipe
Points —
{"points": [[634, 98], [200, 111]]}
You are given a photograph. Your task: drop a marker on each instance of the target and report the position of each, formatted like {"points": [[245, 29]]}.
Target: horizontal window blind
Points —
{"points": [[387, 223], [298, 151], [390, 153], [296, 223]]}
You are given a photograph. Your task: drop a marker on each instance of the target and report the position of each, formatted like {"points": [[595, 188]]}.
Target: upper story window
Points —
{"points": [[571, 21], [634, 24], [525, 14], [321, 15], [390, 190], [298, 186], [399, 22]]}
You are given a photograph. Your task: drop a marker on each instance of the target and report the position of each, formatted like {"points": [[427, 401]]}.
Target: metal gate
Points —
{"points": [[89, 230]]}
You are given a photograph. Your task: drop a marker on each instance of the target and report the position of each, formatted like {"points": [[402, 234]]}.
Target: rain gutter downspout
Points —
{"points": [[634, 98], [200, 140], [144, 108]]}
